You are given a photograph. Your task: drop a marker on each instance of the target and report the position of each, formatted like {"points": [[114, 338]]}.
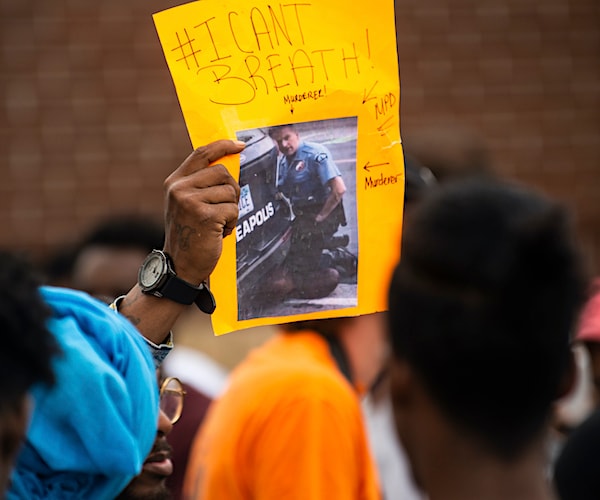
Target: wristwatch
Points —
{"points": [[157, 277]]}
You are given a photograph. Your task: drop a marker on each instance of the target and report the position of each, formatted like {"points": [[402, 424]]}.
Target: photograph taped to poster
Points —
{"points": [[241, 68], [286, 263]]}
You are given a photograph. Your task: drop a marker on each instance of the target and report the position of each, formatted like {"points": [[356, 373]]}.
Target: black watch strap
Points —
{"points": [[179, 291], [182, 292]]}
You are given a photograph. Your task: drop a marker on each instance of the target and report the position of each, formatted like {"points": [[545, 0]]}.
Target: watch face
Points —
{"points": [[152, 270]]}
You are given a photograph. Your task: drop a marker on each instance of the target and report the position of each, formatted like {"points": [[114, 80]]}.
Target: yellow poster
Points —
{"points": [[313, 90]]}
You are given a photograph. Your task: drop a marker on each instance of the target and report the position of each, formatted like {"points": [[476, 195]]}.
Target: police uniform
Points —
{"points": [[303, 179]]}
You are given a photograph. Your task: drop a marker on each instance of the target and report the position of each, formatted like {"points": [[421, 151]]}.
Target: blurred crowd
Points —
{"points": [[481, 380]]}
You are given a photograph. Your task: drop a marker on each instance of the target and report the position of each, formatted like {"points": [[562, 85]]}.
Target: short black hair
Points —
{"points": [[482, 305], [125, 231], [29, 344], [277, 128], [122, 231]]}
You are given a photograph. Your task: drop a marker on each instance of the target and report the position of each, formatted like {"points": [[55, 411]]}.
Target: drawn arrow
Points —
{"points": [[385, 125], [366, 95], [291, 108], [367, 167]]}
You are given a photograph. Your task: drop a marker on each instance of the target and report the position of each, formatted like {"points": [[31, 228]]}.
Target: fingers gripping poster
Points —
{"points": [[313, 90]]}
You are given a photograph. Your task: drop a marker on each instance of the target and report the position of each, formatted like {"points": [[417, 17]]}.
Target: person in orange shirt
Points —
{"points": [[290, 424]]}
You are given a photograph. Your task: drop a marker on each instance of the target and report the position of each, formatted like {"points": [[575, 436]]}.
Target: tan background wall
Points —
{"points": [[90, 125]]}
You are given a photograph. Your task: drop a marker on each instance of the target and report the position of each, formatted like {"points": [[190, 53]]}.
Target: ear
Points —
{"points": [[404, 398], [569, 379]]}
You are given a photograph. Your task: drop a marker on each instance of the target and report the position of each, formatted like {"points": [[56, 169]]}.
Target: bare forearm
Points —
{"points": [[201, 208], [331, 202], [154, 317], [338, 188]]}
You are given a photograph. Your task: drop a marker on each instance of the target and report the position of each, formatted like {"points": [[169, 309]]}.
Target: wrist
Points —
{"points": [[157, 276], [186, 266]]}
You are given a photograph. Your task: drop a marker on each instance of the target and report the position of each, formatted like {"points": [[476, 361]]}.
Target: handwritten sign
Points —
{"points": [[313, 90]]}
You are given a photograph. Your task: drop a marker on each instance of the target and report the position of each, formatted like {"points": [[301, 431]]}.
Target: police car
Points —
{"points": [[264, 227]]}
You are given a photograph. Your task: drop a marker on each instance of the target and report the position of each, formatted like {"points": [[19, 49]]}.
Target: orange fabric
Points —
{"points": [[288, 427]]}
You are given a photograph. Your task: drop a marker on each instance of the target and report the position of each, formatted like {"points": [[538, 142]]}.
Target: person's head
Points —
{"points": [[588, 333], [150, 484], [481, 306], [109, 256], [28, 355], [286, 137]]}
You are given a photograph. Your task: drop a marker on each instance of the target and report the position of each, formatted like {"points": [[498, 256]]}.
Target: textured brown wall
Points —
{"points": [[90, 120], [90, 123], [523, 77]]}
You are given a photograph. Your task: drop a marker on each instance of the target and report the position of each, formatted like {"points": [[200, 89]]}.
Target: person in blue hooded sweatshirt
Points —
{"points": [[91, 431]]}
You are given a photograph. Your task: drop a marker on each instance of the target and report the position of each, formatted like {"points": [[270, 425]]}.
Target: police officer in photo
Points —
{"points": [[310, 180]]}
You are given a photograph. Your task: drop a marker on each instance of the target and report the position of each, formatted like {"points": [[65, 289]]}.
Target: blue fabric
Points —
{"points": [[89, 434], [303, 177]]}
